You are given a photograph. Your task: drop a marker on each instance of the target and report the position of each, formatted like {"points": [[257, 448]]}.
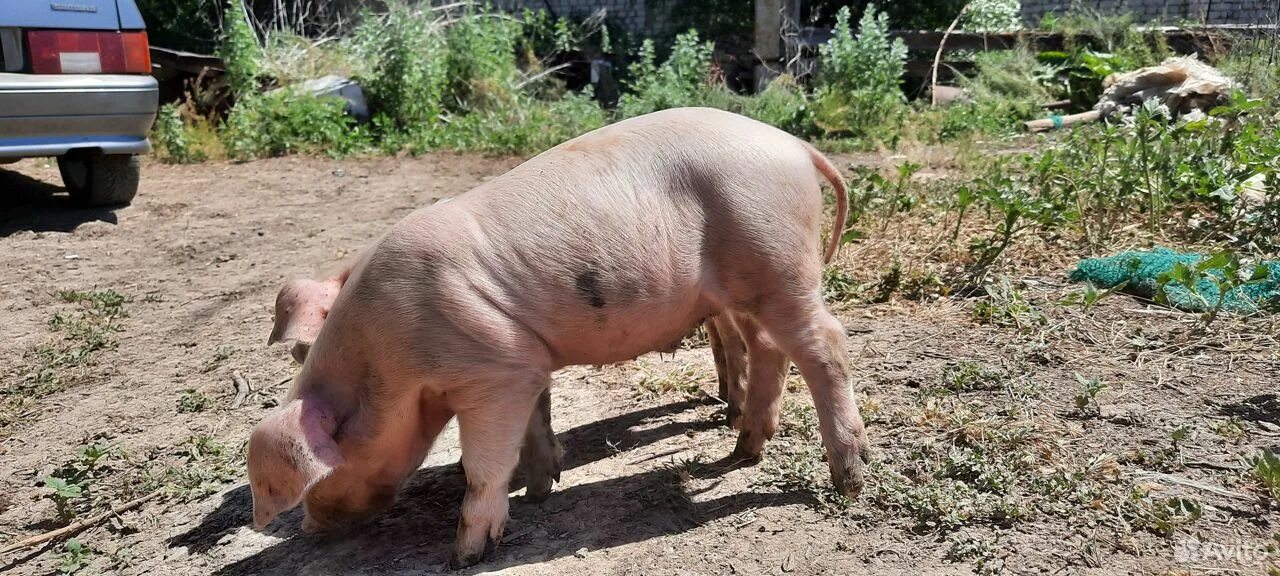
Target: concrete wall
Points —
{"points": [[1164, 11]]}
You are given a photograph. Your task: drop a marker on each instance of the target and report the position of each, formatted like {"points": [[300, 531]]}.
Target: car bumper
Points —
{"points": [[50, 115]]}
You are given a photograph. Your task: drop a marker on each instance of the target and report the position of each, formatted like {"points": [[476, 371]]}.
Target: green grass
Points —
{"points": [[81, 332]]}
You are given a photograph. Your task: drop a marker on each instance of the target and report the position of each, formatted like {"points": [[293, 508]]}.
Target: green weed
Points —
{"points": [[970, 376], [1266, 467], [222, 354], [204, 467], [71, 485], [1086, 398], [838, 286], [75, 556], [193, 401]]}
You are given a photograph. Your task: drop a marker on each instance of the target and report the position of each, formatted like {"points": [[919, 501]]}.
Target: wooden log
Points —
{"points": [[1053, 122]]}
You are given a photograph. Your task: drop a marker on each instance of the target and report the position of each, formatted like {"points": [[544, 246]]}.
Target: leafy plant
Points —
{"points": [[838, 285], [75, 556], [1222, 271], [240, 50], [170, 137], [70, 485], [1005, 305], [684, 79], [1266, 466], [288, 121], [193, 401], [1164, 516], [969, 376], [859, 83], [1086, 398], [408, 73]]}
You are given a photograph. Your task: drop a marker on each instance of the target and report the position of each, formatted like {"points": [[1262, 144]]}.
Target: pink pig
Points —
{"points": [[611, 245]]}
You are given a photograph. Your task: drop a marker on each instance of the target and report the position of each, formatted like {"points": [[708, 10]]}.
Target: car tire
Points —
{"points": [[96, 179]]}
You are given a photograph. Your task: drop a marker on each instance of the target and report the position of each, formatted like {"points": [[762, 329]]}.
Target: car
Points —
{"points": [[75, 83]]}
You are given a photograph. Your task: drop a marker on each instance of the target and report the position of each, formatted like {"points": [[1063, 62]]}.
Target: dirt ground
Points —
{"points": [[203, 250]]}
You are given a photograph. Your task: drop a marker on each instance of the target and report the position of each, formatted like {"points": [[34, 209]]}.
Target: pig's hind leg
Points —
{"points": [[541, 456], [730, 356], [766, 375], [815, 340]]}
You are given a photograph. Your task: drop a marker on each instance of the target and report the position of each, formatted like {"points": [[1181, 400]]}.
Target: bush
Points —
{"points": [[170, 137], [240, 51], [526, 126], [992, 16], [683, 80], [481, 61], [285, 122], [859, 89], [783, 104], [407, 74], [1009, 87]]}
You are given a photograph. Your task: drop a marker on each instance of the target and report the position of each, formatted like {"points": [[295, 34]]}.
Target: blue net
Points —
{"points": [[1140, 273]]}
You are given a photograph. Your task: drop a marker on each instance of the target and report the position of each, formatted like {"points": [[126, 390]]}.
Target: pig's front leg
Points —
{"points": [[492, 420], [541, 457]]}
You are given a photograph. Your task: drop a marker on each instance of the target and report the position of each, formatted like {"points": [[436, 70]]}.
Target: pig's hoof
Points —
{"points": [[748, 449], [538, 490], [848, 479], [460, 558]]}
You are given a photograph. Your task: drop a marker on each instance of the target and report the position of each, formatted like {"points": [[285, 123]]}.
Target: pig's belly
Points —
{"points": [[606, 336]]}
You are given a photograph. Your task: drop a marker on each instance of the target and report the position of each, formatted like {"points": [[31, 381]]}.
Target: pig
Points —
{"points": [[603, 248]]}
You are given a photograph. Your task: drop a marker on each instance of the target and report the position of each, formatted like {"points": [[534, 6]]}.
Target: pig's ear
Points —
{"points": [[301, 308], [289, 452]]}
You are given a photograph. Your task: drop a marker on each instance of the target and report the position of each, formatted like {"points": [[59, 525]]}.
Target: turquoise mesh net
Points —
{"points": [[1142, 271]]}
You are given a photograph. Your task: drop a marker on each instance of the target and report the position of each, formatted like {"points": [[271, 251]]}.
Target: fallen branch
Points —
{"points": [[1205, 486], [540, 75], [243, 388], [937, 57], [76, 527]]}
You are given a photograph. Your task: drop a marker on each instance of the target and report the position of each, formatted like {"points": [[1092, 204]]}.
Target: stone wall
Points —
{"points": [[1164, 11]]}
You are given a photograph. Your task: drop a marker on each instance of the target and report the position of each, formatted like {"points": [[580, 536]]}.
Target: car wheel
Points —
{"points": [[96, 179]]}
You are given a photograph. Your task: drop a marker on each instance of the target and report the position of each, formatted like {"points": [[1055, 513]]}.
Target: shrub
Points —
{"points": [[284, 122], [240, 51], [528, 125], [407, 73], [481, 61], [170, 137], [859, 88], [992, 16], [683, 80], [783, 104]]}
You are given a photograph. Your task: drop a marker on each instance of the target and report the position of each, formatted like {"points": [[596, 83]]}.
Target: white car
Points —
{"points": [[75, 83]]}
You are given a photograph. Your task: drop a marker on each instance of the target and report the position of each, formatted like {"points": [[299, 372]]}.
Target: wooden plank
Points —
{"points": [[1179, 39], [188, 62]]}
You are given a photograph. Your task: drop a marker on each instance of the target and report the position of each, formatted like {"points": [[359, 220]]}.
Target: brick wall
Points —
{"points": [[1165, 11]]}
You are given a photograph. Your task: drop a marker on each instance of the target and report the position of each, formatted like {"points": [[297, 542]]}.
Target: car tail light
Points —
{"points": [[68, 52]]}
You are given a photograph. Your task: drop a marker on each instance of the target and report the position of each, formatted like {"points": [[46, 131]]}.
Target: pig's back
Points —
{"points": [[607, 246]]}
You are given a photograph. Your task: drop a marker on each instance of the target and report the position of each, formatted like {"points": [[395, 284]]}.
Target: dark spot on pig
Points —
{"points": [[588, 285]]}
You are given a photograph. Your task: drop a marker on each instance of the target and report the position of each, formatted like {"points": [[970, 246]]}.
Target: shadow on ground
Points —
{"points": [[416, 533], [1260, 408], [38, 206]]}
